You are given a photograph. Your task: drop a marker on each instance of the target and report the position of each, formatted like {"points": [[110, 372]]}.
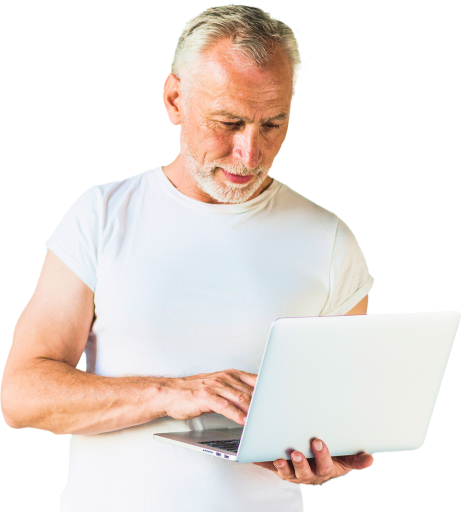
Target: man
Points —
{"points": [[169, 281]]}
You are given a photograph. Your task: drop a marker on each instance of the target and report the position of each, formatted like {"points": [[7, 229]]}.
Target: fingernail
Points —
{"points": [[280, 463], [244, 419], [296, 458], [318, 445]]}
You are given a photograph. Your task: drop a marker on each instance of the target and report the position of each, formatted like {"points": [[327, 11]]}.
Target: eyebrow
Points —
{"points": [[225, 113]]}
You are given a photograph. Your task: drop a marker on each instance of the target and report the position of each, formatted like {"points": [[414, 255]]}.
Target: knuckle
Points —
{"points": [[324, 473], [228, 406], [228, 410], [243, 397], [222, 403]]}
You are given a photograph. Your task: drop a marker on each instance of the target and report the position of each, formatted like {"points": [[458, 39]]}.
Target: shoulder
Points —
{"points": [[300, 207], [128, 184], [109, 195], [320, 221]]}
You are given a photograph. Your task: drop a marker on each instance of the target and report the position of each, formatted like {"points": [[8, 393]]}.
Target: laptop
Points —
{"points": [[361, 383]]}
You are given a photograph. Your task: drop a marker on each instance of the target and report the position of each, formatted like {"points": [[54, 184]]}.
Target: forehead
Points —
{"points": [[228, 79]]}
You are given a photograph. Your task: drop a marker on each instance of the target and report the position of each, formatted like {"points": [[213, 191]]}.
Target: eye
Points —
{"points": [[237, 125], [232, 125]]}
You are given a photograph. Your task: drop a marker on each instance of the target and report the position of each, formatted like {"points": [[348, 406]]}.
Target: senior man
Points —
{"points": [[169, 280]]}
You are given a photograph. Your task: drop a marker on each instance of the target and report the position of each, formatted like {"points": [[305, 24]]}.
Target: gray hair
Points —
{"points": [[254, 33]]}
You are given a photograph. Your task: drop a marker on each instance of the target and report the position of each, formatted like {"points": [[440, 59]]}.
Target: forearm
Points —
{"points": [[52, 395]]}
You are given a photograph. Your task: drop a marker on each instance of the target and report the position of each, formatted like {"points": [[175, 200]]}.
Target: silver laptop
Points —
{"points": [[364, 383]]}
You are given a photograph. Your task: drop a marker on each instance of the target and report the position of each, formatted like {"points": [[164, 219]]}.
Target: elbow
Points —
{"points": [[9, 421], [8, 410], [6, 413], [13, 414], [10, 418]]}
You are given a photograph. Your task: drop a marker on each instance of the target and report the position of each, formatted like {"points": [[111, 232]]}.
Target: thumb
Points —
{"points": [[358, 461], [362, 461]]}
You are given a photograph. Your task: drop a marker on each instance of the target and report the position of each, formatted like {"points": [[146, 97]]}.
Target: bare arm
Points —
{"points": [[42, 388]]}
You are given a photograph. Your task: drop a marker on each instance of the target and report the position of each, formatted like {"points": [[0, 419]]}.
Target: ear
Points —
{"points": [[172, 98]]}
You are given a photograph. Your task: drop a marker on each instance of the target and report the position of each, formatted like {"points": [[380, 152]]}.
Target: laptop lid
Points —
{"points": [[360, 383]]}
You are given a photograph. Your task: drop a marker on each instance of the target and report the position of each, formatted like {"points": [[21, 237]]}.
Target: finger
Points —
{"points": [[302, 469], [324, 465], [285, 470], [246, 378], [229, 378], [222, 406], [240, 399], [298, 472]]}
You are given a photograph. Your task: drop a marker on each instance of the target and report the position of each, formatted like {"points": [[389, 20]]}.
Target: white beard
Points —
{"points": [[206, 178]]}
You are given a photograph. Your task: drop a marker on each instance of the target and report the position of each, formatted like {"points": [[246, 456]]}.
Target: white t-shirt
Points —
{"points": [[183, 287]]}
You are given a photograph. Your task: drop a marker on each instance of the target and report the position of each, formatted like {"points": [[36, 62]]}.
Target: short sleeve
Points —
{"points": [[75, 239], [350, 280]]}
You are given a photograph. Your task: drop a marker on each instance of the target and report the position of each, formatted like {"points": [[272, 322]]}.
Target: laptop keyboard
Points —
{"points": [[228, 445]]}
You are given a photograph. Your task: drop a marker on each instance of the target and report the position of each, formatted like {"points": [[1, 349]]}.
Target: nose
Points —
{"points": [[247, 147]]}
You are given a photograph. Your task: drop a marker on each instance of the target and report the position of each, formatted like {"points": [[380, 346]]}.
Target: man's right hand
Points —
{"points": [[41, 387], [227, 392]]}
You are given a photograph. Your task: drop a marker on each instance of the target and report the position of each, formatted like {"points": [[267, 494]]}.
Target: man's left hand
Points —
{"points": [[318, 470]]}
